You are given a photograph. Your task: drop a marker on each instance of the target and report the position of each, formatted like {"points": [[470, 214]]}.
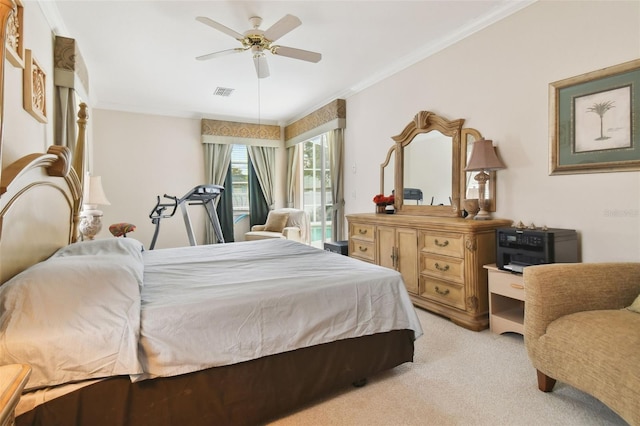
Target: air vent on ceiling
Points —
{"points": [[223, 91]]}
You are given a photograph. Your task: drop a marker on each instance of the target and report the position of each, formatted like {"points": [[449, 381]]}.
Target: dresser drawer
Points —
{"points": [[362, 232], [506, 284], [363, 250], [446, 268], [444, 244], [449, 293]]}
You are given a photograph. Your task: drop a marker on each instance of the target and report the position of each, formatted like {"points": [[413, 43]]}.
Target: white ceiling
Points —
{"points": [[141, 53]]}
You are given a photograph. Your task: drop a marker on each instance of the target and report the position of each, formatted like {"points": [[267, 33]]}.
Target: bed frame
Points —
{"points": [[40, 201]]}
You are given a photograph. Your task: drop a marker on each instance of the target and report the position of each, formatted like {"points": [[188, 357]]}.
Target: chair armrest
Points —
{"points": [[258, 227], [292, 233], [559, 289]]}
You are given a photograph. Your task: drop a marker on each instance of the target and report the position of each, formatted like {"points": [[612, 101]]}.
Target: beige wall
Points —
{"points": [[498, 81], [142, 156]]}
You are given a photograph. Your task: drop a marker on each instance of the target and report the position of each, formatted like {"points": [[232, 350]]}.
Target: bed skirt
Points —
{"points": [[248, 393]]}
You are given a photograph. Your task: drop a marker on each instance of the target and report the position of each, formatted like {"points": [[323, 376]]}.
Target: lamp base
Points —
{"points": [[90, 225]]}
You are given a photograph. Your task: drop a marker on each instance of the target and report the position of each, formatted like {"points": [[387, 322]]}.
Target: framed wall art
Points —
{"points": [[34, 81], [594, 121], [15, 39]]}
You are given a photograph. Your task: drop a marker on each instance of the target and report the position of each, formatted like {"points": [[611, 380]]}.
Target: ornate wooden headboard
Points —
{"points": [[40, 194], [39, 200]]}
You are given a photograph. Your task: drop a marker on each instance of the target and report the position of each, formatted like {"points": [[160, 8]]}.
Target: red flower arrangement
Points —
{"points": [[382, 200]]}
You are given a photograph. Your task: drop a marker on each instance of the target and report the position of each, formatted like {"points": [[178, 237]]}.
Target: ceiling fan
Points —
{"points": [[259, 41]]}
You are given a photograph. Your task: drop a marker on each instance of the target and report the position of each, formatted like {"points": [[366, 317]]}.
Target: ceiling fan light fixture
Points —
{"points": [[259, 41]]}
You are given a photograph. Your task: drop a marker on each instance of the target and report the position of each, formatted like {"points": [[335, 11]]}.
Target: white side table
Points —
{"points": [[13, 379], [506, 301]]}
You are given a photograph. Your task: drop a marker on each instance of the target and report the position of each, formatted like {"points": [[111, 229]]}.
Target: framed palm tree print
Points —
{"points": [[594, 121]]}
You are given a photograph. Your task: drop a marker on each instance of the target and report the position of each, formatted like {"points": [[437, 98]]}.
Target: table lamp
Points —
{"points": [[483, 158], [91, 217]]}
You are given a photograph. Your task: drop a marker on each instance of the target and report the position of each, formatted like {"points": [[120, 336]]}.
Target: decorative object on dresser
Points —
{"points": [[91, 217], [13, 378], [483, 158]]}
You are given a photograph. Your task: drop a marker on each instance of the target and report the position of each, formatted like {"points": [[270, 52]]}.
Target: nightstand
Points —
{"points": [[506, 301], [13, 378]]}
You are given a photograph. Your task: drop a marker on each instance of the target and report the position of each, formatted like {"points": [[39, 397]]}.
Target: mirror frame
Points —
{"points": [[383, 166], [424, 122], [475, 135]]}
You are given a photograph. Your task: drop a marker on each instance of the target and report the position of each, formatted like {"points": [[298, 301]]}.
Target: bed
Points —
{"points": [[239, 333]]}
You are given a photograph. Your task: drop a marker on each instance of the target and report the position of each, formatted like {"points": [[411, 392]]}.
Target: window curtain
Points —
{"points": [[217, 158], [258, 207], [335, 139], [65, 123], [224, 212], [292, 170], [263, 159]]}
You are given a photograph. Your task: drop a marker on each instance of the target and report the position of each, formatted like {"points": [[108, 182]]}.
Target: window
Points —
{"points": [[240, 179], [316, 187]]}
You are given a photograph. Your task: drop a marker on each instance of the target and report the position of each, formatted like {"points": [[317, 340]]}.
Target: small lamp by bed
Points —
{"points": [[91, 217]]}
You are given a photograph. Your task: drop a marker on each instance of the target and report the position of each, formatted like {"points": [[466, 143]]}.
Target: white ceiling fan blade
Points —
{"points": [[283, 26], [262, 67], [291, 52], [218, 54], [220, 27]]}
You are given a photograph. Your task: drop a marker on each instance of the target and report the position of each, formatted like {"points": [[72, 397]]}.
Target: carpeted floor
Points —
{"points": [[458, 377]]}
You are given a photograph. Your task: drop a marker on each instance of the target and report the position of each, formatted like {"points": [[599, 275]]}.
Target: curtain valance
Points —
{"points": [[330, 117], [231, 132]]}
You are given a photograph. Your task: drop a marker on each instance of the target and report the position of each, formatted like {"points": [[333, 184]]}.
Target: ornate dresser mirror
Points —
{"points": [[425, 168]]}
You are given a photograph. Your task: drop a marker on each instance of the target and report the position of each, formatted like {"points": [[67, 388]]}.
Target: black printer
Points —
{"points": [[520, 247]]}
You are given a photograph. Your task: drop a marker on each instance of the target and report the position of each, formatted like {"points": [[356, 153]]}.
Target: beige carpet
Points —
{"points": [[458, 377]]}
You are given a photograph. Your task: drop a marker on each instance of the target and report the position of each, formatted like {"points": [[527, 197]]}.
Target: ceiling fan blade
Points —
{"points": [[218, 26], [218, 54], [291, 52], [283, 26], [262, 67]]}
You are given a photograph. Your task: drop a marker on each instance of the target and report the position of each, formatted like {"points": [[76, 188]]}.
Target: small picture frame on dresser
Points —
{"points": [[34, 82]]}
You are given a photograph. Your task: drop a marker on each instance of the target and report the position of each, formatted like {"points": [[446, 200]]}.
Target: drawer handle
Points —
{"points": [[439, 244], [362, 248], [444, 268], [443, 293], [362, 231], [518, 286]]}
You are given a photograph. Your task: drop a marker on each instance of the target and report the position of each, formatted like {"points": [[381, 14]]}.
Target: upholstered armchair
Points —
{"points": [[582, 327], [287, 223]]}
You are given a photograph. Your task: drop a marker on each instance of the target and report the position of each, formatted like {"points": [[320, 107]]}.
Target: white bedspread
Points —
{"points": [[221, 304]]}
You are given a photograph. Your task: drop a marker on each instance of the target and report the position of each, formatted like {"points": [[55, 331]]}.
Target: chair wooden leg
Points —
{"points": [[545, 383]]}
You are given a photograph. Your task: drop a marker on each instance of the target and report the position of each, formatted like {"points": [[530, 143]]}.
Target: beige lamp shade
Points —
{"points": [[483, 157], [94, 193]]}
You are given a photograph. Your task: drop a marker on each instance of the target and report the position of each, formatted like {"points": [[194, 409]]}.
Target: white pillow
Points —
{"points": [[102, 246], [124, 251], [71, 319]]}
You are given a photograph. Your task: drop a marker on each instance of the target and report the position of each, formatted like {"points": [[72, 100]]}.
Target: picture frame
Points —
{"points": [[34, 82], [14, 45], [594, 121]]}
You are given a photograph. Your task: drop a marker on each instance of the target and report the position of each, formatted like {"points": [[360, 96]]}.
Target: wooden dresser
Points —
{"points": [[440, 258]]}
